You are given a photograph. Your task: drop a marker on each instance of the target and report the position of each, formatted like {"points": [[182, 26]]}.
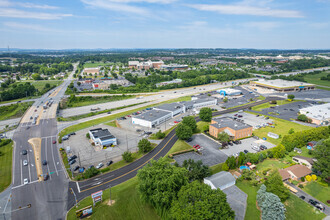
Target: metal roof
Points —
{"points": [[170, 106], [152, 115], [229, 123], [221, 179]]}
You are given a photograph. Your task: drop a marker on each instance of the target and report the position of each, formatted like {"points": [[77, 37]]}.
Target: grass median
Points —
{"points": [[6, 153]]}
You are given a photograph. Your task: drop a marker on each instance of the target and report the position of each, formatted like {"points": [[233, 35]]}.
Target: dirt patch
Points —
{"points": [[110, 203], [36, 146]]}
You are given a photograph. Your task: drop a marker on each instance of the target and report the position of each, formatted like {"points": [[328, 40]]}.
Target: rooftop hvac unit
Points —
{"points": [[150, 114]]}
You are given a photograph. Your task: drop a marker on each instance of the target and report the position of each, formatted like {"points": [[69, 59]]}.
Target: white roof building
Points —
{"points": [[282, 85], [319, 114]]}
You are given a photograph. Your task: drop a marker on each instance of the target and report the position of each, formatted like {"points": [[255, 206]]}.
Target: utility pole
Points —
{"points": [[110, 194], [75, 198], [79, 160]]}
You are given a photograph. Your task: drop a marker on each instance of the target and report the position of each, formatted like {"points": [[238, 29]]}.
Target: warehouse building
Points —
{"points": [[319, 114], [200, 103], [175, 108], [102, 137], [236, 130], [281, 85], [152, 118], [229, 92]]}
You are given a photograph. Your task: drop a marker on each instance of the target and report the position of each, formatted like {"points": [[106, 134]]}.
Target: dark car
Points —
{"points": [[302, 197], [109, 163], [91, 166], [291, 109], [72, 158], [75, 168], [240, 116], [44, 162], [246, 151], [267, 118], [46, 176], [262, 147], [72, 162], [257, 115], [189, 139], [24, 152], [148, 132], [72, 133], [230, 143], [109, 113]]}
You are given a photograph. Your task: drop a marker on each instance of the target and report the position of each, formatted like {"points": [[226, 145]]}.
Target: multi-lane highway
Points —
{"points": [[102, 182]]}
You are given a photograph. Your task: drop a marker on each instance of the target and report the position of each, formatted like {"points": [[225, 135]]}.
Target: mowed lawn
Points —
{"points": [[282, 128], [179, 145], [40, 84], [318, 191], [268, 105], [128, 204], [270, 163], [91, 65], [5, 166], [316, 79]]}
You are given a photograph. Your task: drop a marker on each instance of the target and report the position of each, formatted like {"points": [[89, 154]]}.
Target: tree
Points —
{"points": [[160, 135], [144, 145], [190, 122], [322, 154], [231, 162], [36, 76], [198, 201], [159, 182], [279, 151], [224, 137], [18, 78], [196, 170], [205, 114], [303, 118], [225, 167], [78, 83], [47, 85], [275, 185], [127, 156], [225, 99], [270, 205], [183, 132], [291, 97], [291, 131]]}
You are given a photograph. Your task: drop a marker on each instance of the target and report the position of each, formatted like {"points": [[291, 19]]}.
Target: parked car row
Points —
{"points": [[66, 137]]}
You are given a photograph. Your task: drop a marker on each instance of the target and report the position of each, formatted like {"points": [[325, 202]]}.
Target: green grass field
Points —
{"points": [[91, 65], [298, 209], [282, 127], [200, 126], [111, 123], [90, 100], [179, 145], [5, 166], [252, 212], [270, 163], [316, 79], [216, 168], [128, 204], [40, 84], [268, 105], [318, 191], [14, 110]]}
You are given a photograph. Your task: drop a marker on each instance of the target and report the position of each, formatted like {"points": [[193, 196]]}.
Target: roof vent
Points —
{"points": [[150, 114]]}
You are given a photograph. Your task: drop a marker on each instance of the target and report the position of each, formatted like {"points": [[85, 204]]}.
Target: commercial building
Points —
{"points": [[281, 85], [174, 67], [93, 71], [199, 103], [319, 114], [175, 81], [236, 130], [230, 92], [102, 137], [294, 172], [236, 198], [152, 118], [145, 65], [174, 108]]}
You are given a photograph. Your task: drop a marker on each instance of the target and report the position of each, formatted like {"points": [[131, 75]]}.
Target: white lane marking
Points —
{"points": [[48, 137], [4, 210], [21, 171], [50, 176], [14, 164], [29, 166], [96, 183], [78, 187], [54, 158], [15, 187]]}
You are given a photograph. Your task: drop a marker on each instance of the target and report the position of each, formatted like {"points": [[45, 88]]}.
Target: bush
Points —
{"points": [[127, 156], [301, 186], [273, 102], [144, 145], [308, 178], [205, 128], [225, 167], [314, 177], [91, 172], [160, 135], [4, 142], [302, 179], [302, 118], [88, 136]]}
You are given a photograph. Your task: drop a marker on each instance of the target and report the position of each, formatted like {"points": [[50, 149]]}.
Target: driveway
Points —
{"points": [[307, 197], [210, 155]]}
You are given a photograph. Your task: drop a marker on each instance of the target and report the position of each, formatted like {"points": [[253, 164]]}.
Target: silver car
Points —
{"points": [[25, 163]]}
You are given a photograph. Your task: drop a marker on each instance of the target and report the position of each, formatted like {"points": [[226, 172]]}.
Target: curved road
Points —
{"points": [[102, 182]]}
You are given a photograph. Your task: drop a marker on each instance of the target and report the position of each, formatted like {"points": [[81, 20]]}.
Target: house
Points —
{"points": [[235, 197], [307, 161], [236, 130], [294, 172], [298, 150], [102, 137]]}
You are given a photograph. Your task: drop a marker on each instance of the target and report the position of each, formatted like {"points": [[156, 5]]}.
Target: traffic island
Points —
{"points": [[36, 146]]}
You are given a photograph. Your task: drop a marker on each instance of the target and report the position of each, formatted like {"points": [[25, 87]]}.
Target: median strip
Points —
{"points": [[36, 146]]}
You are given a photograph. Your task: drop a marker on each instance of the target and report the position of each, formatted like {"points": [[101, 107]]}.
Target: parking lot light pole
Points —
{"points": [[110, 194]]}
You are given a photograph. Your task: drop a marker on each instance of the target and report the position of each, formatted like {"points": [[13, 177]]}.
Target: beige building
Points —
{"points": [[93, 71], [281, 85]]}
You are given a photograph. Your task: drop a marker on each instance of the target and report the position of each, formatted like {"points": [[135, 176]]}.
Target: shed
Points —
{"points": [[221, 180]]}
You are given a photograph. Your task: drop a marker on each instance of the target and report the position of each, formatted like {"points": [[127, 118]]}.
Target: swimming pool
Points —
{"points": [[244, 167]]}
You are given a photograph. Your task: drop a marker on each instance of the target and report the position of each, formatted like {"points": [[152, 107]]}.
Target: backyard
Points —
{"points": [[5, 165], [318, 191], [128, 204]]}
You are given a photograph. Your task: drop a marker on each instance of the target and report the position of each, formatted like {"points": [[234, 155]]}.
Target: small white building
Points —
{"points": [[200, 103], [221, 180], [152, 118], [319, 114], [102, 137], [229, 92]]}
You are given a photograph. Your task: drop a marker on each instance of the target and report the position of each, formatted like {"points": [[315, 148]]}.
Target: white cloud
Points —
{"points": [[262, 25], [147, 1], [245, 9], [15, 13], [20, 26], [6, 3]]}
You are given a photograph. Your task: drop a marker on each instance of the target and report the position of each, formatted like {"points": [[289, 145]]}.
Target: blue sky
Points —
{"points": [[261, 24]]}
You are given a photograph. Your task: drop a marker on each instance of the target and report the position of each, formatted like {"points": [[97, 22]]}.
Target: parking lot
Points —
{"points": [[309, 95], [240, 100], [210, 153], [250, 119], [90, 155], [246, 144]]}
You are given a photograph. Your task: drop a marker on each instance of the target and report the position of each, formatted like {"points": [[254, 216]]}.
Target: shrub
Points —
{"points": [[301, 186], [160, 135], [225, 167], [91, 172], [302, 179], [314, 177], [144, 145], [127, 156], [88, 136], [308, 178]]}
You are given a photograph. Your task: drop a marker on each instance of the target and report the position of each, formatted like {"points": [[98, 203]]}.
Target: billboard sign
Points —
{"points": [[84, 212]]}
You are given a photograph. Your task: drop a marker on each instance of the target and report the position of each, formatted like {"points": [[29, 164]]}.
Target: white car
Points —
{"points": [[26, 181], [256, 148], [25, 163], [99, 165]]}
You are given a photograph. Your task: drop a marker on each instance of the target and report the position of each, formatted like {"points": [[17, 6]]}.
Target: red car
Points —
{"points": [[128, 116], [176, 122], [196, 146], [235, 114], [54, 142]]}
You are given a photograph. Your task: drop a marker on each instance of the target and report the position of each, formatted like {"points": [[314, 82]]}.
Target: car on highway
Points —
{"points": [[109, 163], [46, 176], [26, 181], [54, 142], [44, 162], [100, 165], [75, 168], [24, 152], [72, 162], [25, 163]]}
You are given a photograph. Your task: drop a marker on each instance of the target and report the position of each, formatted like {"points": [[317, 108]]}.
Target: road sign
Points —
{"points": [[84, 212], [97, 196]]}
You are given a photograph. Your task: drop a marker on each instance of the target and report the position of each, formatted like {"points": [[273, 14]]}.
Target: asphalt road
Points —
{"points": [[86, 188]]}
